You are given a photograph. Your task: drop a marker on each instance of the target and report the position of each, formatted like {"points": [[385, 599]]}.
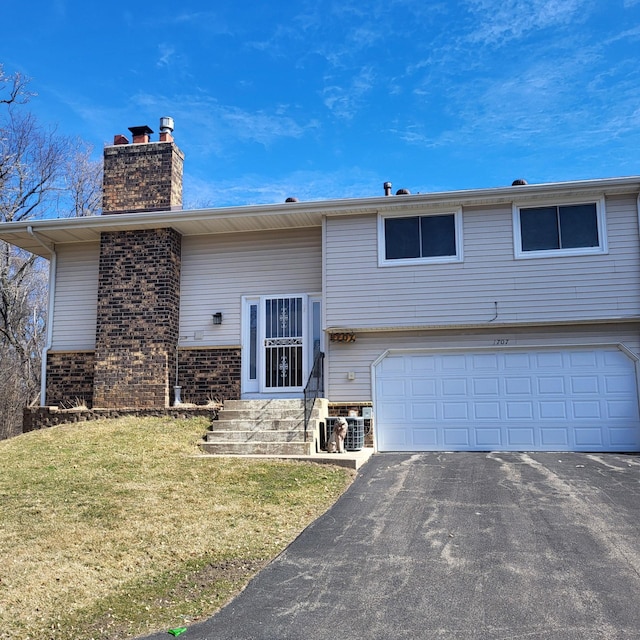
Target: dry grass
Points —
{"points": [[115, 528]]}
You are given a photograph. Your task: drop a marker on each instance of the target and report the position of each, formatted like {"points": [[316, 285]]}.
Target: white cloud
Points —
{"points": [[344, 101], [166, 54], [499, 21], [307, 186], [214, 127]]}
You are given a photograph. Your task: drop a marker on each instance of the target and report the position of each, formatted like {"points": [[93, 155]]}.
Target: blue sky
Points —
{"points": [[330, 98]]}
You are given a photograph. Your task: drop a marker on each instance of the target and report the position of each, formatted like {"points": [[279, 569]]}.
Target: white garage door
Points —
{"points": [[582, 399]]}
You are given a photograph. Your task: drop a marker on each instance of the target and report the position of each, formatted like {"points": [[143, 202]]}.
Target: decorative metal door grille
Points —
{"points": [[284, 342]]}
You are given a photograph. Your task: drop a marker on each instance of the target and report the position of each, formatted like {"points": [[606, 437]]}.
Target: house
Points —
{"points": [[504, 318]]}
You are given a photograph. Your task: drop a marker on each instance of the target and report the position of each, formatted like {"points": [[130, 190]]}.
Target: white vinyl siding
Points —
{"points": [[358, 356], [490, 285], [76, 297], [218, 270]]}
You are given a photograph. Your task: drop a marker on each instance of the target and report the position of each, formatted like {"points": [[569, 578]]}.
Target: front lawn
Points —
{"points": [[116, 528]]}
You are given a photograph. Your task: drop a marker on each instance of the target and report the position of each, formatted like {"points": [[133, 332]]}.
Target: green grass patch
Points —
{"points": [[116, 528]]}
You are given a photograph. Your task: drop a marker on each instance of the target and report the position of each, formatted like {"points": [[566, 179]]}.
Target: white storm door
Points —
{"points": [[284, 327]]}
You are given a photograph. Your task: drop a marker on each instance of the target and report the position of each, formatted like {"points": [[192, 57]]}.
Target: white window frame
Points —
{"points": [[602, 248], [397, 262]]}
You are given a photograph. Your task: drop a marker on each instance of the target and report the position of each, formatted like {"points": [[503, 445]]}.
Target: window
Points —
{"points": [[420, 239], [565, 229]]}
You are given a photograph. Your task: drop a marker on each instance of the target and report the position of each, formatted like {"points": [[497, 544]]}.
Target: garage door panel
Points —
{"points": [[580, 359], [389, 366], [549, 360], [618, 384], [424, 411], [455, 411], [589, 437], [423, 364], [486, 411], [520, 437], [587, 410], [584, 384], [486, 386], [454, 387], [394, 387], [621, 410], [457, 437], [517, 386], [554, 437], [551, 385], [455, 362], [553, 410], [424, 387], [582, 399], [519, 411], [516, 361], [425, 437], [393, 412], [485, 361], [488, 438], [622, 436]]}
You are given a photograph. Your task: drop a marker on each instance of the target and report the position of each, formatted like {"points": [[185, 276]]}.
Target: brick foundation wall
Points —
{"points": [[209, 374], [132, 378], [138, 315], [70, 378]]}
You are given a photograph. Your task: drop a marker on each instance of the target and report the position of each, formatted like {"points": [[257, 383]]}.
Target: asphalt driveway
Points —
{"points": [[458, 546]]}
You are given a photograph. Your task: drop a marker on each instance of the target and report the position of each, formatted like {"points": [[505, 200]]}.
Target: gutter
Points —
{"points": [[453, 326], [52, 287]]}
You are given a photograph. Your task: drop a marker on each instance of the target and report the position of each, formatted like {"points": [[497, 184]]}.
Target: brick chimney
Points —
{"points": [[139, 274], [143, 175]]}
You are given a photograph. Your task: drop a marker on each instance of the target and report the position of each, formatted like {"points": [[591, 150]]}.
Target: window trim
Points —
{"points": [[396, 262], [602, 248]]}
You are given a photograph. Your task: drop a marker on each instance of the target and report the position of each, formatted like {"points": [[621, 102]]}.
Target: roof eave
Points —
{"points": [[288, 215]]}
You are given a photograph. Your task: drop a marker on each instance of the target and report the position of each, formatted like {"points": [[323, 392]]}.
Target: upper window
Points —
{"points": [[420, 239], [564, 229]]}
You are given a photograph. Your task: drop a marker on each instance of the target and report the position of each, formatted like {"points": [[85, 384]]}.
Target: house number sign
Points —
{"points": [[501, 341]]}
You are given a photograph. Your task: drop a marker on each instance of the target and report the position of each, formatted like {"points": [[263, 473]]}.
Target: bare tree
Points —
{"points": [[42, 174], [82, 183], [13, 88]]}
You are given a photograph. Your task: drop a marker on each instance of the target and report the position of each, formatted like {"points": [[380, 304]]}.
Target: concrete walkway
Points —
{"points": [[465, 546], [348, 459]]}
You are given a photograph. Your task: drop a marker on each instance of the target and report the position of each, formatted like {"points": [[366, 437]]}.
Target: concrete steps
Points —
{"points": [[261, 427]]}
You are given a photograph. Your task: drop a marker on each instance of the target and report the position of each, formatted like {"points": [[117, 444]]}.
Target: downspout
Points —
{"points": [[52, 287]]}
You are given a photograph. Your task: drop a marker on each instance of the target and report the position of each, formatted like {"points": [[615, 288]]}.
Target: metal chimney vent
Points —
{"points": [[166, 125]]}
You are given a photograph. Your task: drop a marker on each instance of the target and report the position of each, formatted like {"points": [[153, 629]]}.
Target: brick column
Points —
{"points": [[138, 315]]}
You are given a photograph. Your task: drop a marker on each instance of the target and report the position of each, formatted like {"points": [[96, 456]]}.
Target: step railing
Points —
{"points": [[314, 388]]}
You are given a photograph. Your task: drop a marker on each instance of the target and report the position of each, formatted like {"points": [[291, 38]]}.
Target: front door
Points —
{"points": [[283, 344], [279, 337]]}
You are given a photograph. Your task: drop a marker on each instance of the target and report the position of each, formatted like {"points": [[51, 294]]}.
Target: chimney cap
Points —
{"points": [[140, 131], [166, 124]]}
